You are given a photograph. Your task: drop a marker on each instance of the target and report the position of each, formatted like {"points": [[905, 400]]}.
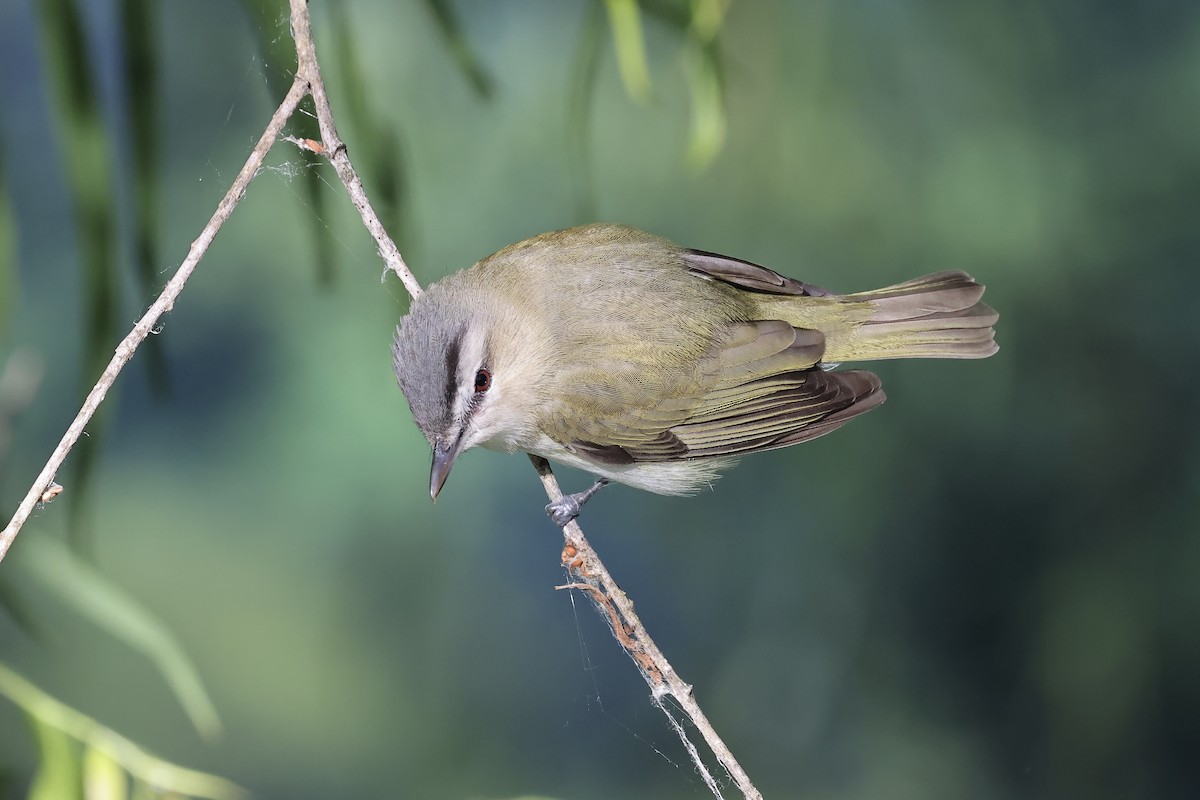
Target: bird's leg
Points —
{"points": [[568, 508]]}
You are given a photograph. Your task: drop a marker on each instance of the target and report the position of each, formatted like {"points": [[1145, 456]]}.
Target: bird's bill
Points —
{"points": [[444, 454]]}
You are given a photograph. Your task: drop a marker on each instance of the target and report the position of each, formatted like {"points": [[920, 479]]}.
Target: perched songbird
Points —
{"points": [[643, 362]]}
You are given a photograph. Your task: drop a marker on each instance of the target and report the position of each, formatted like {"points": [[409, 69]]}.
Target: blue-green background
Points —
{"points": [[988, 588]]}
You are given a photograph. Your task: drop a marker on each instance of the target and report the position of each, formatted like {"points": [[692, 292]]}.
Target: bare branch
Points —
{"points": [[335, 149], [592, 576], [579, 558], [578, 555], [149, 320]]}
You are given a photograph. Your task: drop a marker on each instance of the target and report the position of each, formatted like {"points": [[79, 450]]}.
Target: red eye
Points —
{"points": [[483, 381]]}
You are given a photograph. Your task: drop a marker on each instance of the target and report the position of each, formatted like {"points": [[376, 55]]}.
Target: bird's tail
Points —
{"points": [[937, 316]]}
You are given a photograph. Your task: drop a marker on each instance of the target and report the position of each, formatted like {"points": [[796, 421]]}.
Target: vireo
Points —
{"points": [[623, 354]]}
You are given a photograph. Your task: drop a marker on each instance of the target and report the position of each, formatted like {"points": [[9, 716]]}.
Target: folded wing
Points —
{"points": [[758, 388]]}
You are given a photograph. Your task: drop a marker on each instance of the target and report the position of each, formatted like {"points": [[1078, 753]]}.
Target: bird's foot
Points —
{"points": [[568, 508]]}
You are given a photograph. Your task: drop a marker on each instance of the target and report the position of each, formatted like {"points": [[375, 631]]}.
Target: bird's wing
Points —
{"points": [[746, 275], [801, 406], [758, 388]]}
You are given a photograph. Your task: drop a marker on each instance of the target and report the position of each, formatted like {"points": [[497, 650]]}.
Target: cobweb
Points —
{"points": [[251, 99], [696, 769], [287, 165]]}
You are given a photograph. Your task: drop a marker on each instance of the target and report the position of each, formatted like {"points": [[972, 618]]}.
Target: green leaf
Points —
{"points": [[707, 17], [708, 126], [702, 64], [103, 777], [58, 728], [626, 20], [58, 774], [97, 598]]}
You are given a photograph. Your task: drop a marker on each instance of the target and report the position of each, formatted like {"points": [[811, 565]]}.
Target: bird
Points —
{"points": [[642, 362]]}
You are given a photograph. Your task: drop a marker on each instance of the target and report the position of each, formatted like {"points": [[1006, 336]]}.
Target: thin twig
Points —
{"points": [[335, 149], [607, 596], [583, 562], [579, 557], [161, 306]]}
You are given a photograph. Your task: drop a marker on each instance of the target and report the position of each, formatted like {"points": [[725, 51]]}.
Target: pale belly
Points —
{"points": [[685, 476]]}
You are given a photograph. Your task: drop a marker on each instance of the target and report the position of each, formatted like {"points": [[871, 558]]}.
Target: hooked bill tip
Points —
{"points": [[443, 460]]}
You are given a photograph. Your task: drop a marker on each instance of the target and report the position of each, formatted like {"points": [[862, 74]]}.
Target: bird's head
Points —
{"points": [[470, 365]]}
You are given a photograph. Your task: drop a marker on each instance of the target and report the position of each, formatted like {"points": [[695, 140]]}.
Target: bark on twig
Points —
{"points": [[309, 68], [580, 560], [149, 320]]}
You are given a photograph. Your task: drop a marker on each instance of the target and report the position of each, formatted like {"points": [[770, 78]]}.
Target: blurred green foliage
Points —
{"points": [[60, 574], [80, 758], [84, 142], [8, 255], [983, 589]]}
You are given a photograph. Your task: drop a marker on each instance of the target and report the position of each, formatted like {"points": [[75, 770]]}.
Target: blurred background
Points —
{"points": [[985, 589]]}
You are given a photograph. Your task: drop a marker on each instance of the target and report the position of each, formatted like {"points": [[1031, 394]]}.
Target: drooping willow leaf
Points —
{"points": [[702, 63], [58, 776], [73, 747], [103, 777], [97, 598], [625, 17], [699, 22]]}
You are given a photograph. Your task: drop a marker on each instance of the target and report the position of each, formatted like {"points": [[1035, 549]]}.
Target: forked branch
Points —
{"points": [[580, 559], [149, 321]]}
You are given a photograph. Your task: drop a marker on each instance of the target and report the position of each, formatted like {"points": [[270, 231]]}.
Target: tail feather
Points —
{"points": [[945, 292], [937, 316]]}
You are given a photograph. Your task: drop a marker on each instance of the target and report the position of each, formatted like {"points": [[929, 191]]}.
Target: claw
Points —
{"points": [[563, 511], [568, 508]]}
